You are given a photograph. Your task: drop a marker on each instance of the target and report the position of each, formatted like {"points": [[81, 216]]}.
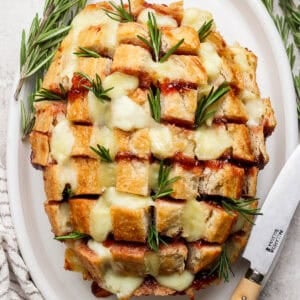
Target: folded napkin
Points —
{"points": [[15, 281]]}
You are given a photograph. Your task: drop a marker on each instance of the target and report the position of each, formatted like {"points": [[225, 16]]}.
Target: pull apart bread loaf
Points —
{"points": [[144, 179]]}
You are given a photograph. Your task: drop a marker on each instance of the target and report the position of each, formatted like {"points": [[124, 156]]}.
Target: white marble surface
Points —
{"points": [[15, 15]]}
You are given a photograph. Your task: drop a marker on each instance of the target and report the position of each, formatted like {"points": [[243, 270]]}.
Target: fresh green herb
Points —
{"points": [[96, 87], [27, 120], [241, 206], [163, 182], [45, 94], [72, 236], [154, 239], [155, 40], [45, 34], [85, 52], [205, 30], [202, 111], [154, 102], [120, 14], [287, 25], [222, 266], [67, 192], [103, 153]]}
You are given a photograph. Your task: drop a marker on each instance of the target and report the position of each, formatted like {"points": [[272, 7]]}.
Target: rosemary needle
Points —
{"points": [[72, 236], [85, 52], [205, 30], [154, 239], [154, 102], [120, 14], [103, 153]]}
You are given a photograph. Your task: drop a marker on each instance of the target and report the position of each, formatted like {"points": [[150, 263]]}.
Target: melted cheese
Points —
{"points": [[195, 18], [240, 58], [67, 174], [109, 36], [107, 175], [152, 263], [64, 217], [98, 110], [122, 286], [122, 84], [162, 20], [210, 60], [176, 281], [130, 201], [100, 220], [62, 141], [100, 250], [127, 115], [153, 176], [255, 108], [161, 141], [194, 219], [105, 137], [211, 143]]}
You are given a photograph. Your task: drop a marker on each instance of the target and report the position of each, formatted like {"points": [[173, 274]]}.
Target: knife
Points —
{"points": [[270, 229]]}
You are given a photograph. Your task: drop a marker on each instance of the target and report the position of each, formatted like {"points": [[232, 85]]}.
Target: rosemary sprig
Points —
{"points": [[96, 87], [205, 30], [27, 120], [103, 153], [45, 94], [45, 34], [155, 40], [286, 25], [222, 266], [154, 102], [120, 14], [163, 181], [85, 52], [202, 111], [241, 206], [75, 235], [154, 239]]}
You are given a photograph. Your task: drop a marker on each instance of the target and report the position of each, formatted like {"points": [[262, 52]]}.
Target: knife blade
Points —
{"points": [[270, 228]]}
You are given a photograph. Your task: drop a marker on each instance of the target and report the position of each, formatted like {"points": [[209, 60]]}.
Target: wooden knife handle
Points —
{"points": [[246, 290]]}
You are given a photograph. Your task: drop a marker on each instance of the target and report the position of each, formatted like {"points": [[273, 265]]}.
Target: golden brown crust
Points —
{"points": [[59, 217], [130, 224], [168, 217], [40, 148], [132, 177], [80, 210], [202, 255]]}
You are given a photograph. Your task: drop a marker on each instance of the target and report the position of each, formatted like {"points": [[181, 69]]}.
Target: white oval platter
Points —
{"points": [[244, 21]]}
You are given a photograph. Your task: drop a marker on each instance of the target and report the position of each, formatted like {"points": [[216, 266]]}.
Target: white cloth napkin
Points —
{"points": [[15, 282]]}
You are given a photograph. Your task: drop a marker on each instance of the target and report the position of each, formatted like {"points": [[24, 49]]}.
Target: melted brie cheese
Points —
{"points": [[67, 174], [100, 220], [101, 250], [194, 219], [107, 174], [210, 60], [105, 137], [176, 281], [162, 20], [121, 285], [153, 176], [254, 106], [161, 141], [64, 217], [195, 18], [211, 142], [122, 84], [130, 201], [240, 58], [62, 141], [127, 115], [98, 110]]}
